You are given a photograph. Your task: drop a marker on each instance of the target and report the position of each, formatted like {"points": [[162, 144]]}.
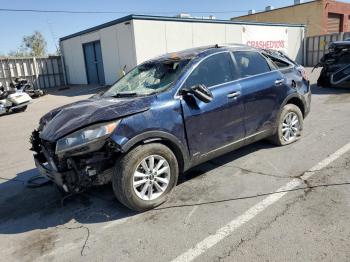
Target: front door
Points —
{"points": [[94, 63], [210, 126]]}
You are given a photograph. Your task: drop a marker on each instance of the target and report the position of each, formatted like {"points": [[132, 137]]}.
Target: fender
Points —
{"points": [[290, 96], [150, 136]]}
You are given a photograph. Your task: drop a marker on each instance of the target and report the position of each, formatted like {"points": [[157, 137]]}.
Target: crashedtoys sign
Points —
{"points": [[267, 38]]}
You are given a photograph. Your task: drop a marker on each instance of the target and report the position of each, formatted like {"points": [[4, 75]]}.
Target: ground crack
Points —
{"points": [[86, 238], [262, 228], [248, 170]]}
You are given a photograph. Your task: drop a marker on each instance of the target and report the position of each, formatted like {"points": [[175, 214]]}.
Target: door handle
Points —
{"points": [[279, 82], [234, 94]]}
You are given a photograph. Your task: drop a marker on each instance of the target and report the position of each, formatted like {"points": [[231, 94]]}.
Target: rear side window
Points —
{"points": [[250, 63], [214, 70]]}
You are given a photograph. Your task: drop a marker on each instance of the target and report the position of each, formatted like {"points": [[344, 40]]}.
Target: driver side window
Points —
{"points": [[214, 70]]}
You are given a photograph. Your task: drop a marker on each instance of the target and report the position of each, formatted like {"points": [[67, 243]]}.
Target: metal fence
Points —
{"points": [[41, 72], [317, 46]]}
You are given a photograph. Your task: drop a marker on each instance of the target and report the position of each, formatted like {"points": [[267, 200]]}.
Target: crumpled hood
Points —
{"points": [[66, 119]]}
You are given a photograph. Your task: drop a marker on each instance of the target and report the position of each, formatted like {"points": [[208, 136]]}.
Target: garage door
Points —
{"points": [[333, 25]]}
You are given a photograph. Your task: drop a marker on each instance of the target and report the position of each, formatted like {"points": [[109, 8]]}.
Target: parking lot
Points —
{"points": [[223, 210]]}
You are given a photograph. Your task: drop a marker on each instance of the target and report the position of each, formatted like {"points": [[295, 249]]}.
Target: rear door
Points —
{"points": [[262, 90], [218, 123]]}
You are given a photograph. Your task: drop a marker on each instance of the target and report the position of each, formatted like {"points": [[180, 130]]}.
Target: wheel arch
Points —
{"points": [[295, 100], [169, 140]]}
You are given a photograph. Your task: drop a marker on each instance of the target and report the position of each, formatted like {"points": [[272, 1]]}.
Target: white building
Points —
{"points": [[98, 54]]}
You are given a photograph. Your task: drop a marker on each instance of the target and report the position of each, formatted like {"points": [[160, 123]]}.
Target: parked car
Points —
{"points": [[335, 65], [168, 115]]}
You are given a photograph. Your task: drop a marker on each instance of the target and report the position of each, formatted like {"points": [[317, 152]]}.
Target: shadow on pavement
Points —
{"points": [[25, 209]]}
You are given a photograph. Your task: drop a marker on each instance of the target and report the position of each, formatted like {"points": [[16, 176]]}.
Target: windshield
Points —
{"points": [[148, 78]]}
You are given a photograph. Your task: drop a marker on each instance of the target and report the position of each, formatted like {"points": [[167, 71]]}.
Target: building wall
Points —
{"points": [[334, 7], [310, 14], [130, 43], [154, 38], [118, 50], [296, 43]]}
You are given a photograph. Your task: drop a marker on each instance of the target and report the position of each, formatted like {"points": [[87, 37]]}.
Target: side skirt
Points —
{"points": [[231, 147]]}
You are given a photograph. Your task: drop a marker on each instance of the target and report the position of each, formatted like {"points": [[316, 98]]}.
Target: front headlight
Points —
{"points": [[85, 136]]}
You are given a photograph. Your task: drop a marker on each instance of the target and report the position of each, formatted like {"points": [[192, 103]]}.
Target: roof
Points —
{"points": [[173, 19], [202, 51], [278, 8]]}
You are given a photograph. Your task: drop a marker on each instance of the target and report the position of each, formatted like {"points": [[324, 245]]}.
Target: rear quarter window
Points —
{"points": [[279, 63]]}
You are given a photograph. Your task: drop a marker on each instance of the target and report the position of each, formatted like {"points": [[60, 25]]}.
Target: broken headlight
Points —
{"points": [[85, 136]]}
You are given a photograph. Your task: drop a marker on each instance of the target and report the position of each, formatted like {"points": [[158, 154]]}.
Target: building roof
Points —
{"points": [[173, 19], [267, 11]]}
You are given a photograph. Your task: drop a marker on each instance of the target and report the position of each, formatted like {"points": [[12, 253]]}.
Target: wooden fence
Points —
{"points": [[317, 46], [41, 72]]}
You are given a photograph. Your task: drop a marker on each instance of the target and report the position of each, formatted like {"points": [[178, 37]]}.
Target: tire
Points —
{"points": [[21, 109], [123, 179], [279, 138]]}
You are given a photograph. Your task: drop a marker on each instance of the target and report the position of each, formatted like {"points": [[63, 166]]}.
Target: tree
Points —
{"points": [[35, 44], [32, 45]]}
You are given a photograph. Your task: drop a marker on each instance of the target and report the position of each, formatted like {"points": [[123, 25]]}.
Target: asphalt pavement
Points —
{"points": [[224, 210]]}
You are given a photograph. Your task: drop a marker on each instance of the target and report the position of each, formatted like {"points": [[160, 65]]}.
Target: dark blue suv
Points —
{"points": [[169, 114]]}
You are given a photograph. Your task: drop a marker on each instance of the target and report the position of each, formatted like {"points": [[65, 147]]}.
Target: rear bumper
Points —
{"points": [[307, 98]]}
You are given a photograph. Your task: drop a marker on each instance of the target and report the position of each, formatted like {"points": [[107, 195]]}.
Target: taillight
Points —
{"points": [[303, 73]]}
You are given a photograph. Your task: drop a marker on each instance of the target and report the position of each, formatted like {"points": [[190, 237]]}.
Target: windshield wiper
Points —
{"points": [[125, 94]]}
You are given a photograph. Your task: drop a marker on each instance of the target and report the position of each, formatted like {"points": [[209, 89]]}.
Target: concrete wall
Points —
{"points": [[118, 50], [310, 14]]}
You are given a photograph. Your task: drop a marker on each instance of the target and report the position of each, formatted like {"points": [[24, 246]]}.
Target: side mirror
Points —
{"points": [[201, 92]]}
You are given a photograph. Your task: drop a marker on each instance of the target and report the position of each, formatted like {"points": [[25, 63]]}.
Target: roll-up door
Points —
{"points": [[333, 25]]}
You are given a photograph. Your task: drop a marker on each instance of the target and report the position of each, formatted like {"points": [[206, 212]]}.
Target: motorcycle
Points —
{"points": [[13, 101], [24, 86]]}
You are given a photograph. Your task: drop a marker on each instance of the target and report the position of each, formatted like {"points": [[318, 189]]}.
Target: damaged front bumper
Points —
{"points": [[56, 177], [74, 173]]}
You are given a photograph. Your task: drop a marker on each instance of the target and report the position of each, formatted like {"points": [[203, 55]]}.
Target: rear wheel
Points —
{"points": [[144, 177], [290, 126]]}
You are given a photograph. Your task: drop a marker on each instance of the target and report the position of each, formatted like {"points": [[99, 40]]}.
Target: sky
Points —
{"points": [[56, 25]]}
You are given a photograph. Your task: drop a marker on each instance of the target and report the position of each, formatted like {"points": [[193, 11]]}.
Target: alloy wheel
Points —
{"points": [[151, 177], [290, 126]]}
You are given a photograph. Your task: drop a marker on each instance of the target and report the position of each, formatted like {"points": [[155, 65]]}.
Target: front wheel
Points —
{"points": [[289, 126], [144, 177]]}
